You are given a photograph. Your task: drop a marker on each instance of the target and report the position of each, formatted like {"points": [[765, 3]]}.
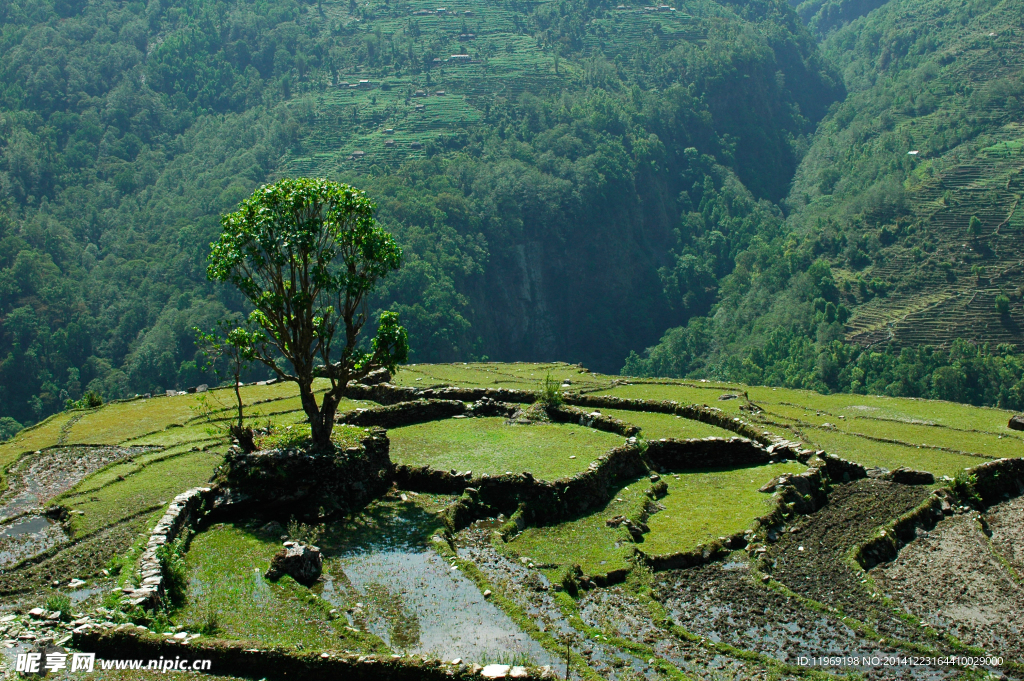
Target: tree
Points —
{"points": [[1002, 304], [227, 353], [974, 225], [305, 253]]}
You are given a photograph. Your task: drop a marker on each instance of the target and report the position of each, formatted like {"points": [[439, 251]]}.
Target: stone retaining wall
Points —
{"points": [[431, 409], [542, 502], [895, 535], [554, 501], [999, 478], [182, 514], [404, 413], [703, 413], [596, 420], [304, 484], [708, 452], [388, 394], [243, 658]]}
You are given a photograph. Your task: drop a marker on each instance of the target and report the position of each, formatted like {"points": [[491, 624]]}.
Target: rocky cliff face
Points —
{"points": [[589, 297]]}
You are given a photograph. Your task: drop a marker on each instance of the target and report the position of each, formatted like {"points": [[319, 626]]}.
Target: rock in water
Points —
{"points": [[303, 563], [1016, 422]]}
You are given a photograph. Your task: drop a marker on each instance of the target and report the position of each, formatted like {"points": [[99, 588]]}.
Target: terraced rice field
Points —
{"points": [[398, 579]]}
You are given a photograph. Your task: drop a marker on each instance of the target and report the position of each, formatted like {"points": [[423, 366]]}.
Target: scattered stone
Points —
{"points": [[273, 527], [1016, 422], [495, 671], [303, 563]]}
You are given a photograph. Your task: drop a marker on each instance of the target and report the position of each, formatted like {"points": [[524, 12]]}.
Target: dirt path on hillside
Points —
{"points": [[951, 578]]}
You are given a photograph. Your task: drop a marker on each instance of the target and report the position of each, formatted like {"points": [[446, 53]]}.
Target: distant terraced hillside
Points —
{"points": [[929, 138], [379, 117]]}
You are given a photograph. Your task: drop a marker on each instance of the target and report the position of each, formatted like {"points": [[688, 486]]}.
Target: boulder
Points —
{"points": [[304, 563], [377, 377], [908, 476], [1016, 422], [495, 671]]}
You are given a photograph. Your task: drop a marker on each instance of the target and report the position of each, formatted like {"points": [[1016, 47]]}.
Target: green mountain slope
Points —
{"points": [[904, 231], [953, 95], [585, 180]]}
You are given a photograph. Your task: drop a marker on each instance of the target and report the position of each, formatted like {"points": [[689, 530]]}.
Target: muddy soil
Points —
{"points": [[614, 611], [951, 579], [37, 478], [811, 559], [28, 536], [725, 603], [1006, 521], [83, 559], [532, 591], [619, 612]]}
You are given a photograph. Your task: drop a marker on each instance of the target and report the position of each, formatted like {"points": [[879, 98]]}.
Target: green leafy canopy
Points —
{"points": [[305, 253]]}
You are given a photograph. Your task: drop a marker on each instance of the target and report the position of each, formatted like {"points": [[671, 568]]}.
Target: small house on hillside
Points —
{"points": [[420, 93], [389, 143], [439, 93], [460, 58], [357, 154], [463, 37]]}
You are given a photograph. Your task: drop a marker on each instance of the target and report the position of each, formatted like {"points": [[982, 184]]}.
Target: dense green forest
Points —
{"points": [[593, 175], [534, 224]]}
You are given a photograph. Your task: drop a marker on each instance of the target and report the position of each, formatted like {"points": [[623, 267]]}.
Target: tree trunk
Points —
{"points": [[321, 419]]}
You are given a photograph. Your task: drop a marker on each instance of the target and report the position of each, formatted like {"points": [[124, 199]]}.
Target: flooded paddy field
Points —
{"points": [[384, 588], [37, 479]]}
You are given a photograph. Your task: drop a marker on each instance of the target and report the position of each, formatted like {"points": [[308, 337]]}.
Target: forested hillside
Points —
{"points": [[898, 270], [579, 182]]}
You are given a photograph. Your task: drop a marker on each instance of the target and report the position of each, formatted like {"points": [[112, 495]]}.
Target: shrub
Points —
{"points": [[965, 487], [570, 579], [172, 564], [211, 622], [307, 534], [61, 603], [551, 395], [90, 400], [1002, 304]]}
